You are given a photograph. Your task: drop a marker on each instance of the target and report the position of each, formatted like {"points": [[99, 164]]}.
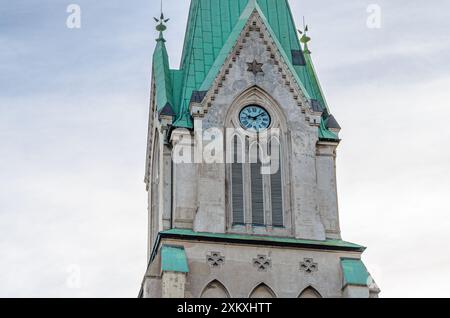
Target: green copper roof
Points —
{"points": [[315, 84], [354, 272], [212, 30], [227, 46], [173, 259], [332, 244], [184, 120], [324, 133]]}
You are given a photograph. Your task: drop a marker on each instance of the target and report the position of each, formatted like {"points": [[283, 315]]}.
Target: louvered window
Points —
{"points": [[256, 199], [257, 193], [237, 191], [276, 193]]}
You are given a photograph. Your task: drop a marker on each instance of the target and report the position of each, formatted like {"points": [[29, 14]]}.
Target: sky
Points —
{"points": [[73, 130]]}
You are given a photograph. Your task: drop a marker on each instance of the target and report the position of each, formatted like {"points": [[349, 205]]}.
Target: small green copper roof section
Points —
{"points": [[184, 121], [325, 133], [177, 84], [333, 244], [354, 272], [173, 259], [162, 75]]}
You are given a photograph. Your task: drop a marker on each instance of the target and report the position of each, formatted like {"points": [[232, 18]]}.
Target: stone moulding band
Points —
{"points": [[189, 235]]}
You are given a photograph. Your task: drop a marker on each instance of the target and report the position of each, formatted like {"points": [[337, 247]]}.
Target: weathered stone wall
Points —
{"points": [[236, 271], [173, 285], [327, 199], [194, 195], [301, 136], [185, 184]]}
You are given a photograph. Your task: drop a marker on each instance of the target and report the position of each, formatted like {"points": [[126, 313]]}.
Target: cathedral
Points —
{"points": [[241, 164]]}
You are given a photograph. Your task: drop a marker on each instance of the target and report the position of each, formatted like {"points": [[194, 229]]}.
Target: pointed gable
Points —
{"points": [[212, 24]]}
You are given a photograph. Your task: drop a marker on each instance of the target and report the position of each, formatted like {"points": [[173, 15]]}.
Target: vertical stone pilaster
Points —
{"points": [[308, 224], [351, 291], [211, 197], [166, 168], [327, 189], [173, 285], [184, 180]]}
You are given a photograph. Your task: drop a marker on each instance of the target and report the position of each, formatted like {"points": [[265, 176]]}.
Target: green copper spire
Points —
{"points": [[161, 72], [324, 132], [315, 88]]}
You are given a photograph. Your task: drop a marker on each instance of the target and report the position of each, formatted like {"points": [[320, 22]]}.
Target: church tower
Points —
{"points": [[240, 170]]}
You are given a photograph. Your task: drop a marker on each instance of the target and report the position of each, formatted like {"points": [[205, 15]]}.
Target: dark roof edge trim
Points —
{"points": [[336, 141], [260, 242]]}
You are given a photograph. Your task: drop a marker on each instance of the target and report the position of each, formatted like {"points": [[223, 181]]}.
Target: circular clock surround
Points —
{"points": [[254, 118]]}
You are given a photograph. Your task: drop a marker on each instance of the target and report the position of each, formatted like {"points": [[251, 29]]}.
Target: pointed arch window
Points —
{"points": [[257, 177], [215, 289], [309, 292], [262, 291], [256, 185]]}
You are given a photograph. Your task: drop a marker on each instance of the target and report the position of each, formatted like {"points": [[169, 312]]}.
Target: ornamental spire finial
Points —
{"points": [[305, 38], [161, 27]]}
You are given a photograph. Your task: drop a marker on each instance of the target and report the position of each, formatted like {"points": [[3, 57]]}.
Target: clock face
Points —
{"points": [[254, 118]]}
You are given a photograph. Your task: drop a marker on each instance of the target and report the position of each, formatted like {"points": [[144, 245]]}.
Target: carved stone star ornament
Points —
{"points": [[255, 67]]}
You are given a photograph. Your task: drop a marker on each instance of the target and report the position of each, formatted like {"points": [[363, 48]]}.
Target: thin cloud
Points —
{"points": [[74, 107]]}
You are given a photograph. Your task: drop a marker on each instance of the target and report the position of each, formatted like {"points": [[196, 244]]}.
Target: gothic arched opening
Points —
{"points": [[215, 289], [309, 292], [262, 291], [258, 169]]}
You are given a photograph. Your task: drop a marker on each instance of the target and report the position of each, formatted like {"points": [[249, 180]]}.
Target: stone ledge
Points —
{"points": [[329, 244]]}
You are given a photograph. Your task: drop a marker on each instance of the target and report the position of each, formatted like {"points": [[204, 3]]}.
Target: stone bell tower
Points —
{"points": [[219, 224]]}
